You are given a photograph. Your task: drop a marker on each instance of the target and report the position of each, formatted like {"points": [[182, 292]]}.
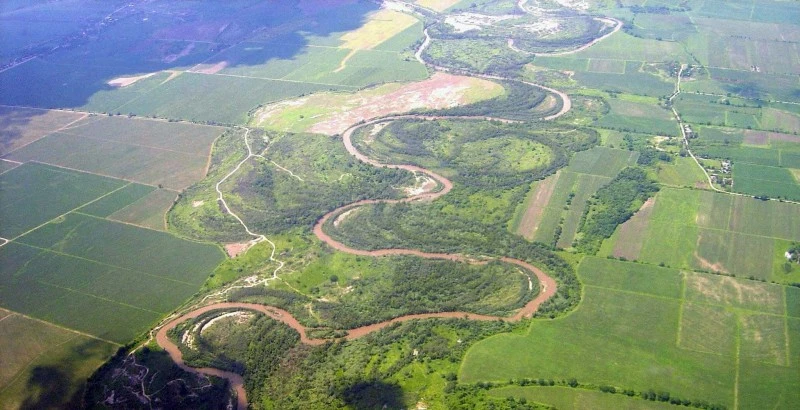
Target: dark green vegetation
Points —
{"points": [[692, 332], [123, 380], [520, 102], [373, 290], [388, 368], [85, 272], [245, 343], [611, 206]]}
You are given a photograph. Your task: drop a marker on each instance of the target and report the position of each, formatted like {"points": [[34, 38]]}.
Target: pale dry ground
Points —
{"points": [[333, 113], [126, 81], [438, 5]]}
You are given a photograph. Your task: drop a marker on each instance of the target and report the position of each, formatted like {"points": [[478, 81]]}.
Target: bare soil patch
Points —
{"points": [[210, 68], [121, 82], [630, 240], [440, 91], [235, 249], [533, 214], [764, 137]]}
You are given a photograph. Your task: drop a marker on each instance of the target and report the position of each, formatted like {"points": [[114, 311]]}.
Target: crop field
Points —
{"points": [[587, 172], [149, 211], [710, 231], [682, 172], [21, 126], [745, 84], [763, 180], [201, 64], [602, 161], [604, 339], [119, 199], [87, 273], [567, 398], [44, 365], [174, 155], [628, 76], [72, 188]]}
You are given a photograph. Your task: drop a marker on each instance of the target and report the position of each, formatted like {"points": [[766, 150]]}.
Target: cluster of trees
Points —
{"points": [[519, 102], [421, 286], [431, 228], [612, 205]]}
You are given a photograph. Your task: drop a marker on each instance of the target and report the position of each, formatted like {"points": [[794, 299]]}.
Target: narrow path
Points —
{"points": [[686, 144]]}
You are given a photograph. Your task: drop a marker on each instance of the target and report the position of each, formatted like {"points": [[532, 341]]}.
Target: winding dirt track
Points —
{"points": [[548, 285]]}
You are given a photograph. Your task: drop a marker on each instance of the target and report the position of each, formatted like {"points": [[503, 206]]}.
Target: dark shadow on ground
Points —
{"points": [[373, 394], [70, 50]]}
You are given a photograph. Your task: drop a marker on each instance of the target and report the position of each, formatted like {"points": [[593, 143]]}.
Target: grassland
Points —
{"points": [[613, 332], [44, 366]]}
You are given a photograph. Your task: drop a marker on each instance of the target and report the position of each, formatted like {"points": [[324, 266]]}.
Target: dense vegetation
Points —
{"points": [[519, 102], [375, 371], [420, 286], [427, 227], [612, 205], [405, 285]]}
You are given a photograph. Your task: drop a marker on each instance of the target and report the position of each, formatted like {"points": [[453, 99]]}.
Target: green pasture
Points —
{"points": [[712, 231]]}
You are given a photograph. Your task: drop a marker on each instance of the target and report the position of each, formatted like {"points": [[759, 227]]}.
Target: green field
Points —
{"points": [[587, 172], [149, 211], [73, 189], [174, 155], [716, 232], [567, 398], [88, 273], [44, 366], [626, 319], [761, 180]]}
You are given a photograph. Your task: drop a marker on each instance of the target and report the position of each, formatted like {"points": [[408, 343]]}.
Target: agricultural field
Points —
{"points": [[613, 332], [197, 68], [709, 231], [553, 215], [84, 272], [44, 364], [142, 141], [157, 153]]}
